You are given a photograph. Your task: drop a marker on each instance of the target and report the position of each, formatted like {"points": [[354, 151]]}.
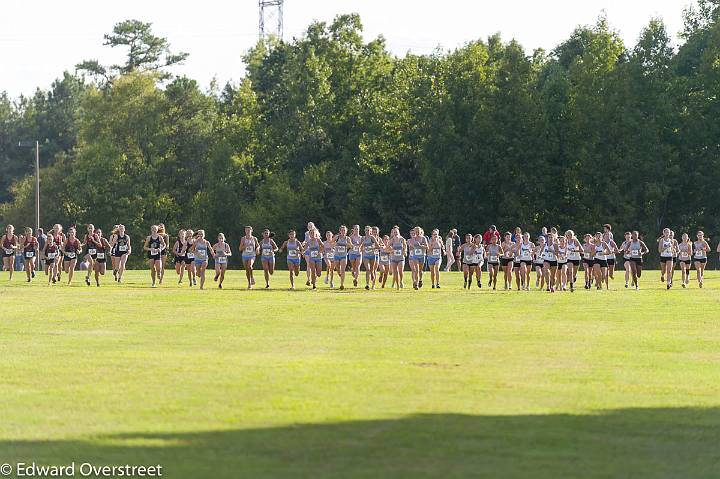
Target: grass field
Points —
{"points": [[437, 383]]}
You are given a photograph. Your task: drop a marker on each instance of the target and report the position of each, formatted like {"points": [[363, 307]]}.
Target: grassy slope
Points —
{"points": [[355, 384]]}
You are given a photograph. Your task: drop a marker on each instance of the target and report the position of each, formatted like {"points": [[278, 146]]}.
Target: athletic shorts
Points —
{"points": [[686, 262], [560, 264], [200, 262], [526, 262], [417, 259], [248, 257], [340, 258], [551, 264], [538, 265], [396, 261], [665, 259], [369, 257], [574, 262], [293, 261], [5, 255], [505, 261], [516, 264], [268, 259], [470, 264], [589, 263], [603, 263], [610, 261], [154, 257], [101, 260], [433, 261], [637, 261], [354, 256], [701, 260]]}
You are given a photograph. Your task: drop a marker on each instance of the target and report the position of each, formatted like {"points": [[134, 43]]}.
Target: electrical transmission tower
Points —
{"points": [[271, 18]]}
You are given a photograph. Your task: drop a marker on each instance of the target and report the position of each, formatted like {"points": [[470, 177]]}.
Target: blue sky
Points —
{"points": [[41, 38]]}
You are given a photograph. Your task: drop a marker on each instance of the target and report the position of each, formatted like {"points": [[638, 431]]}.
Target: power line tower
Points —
{"points": [[271, 18]]}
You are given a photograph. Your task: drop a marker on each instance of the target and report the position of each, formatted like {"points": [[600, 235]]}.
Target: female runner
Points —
{"points": [[524, 252], [397, 247], [153, 244], [268, 248], [600, 264], [190, 257], [626, 256], [550, 263], [610, 257], [384, 261], [294, 252], [250, 247], [507, 259], [314, 250], [30, 252], [636, 249], [59, 238], [71, 250], [52, 251], [121, 245], [222, 253], [480, 254], [341, 243], [469, 261], [517, 239], [574, 256], [9, 245], [561, 253], [370, 248], [417, 249], [164, 250], [179, 252], [539, 262], [701, 249], [493, 257], [329, 257], [113, 250], [436, 250], [88, 244], [685, 253], [666, 248], [588, 259], [101, 246], [202, 250], [355, 253]]}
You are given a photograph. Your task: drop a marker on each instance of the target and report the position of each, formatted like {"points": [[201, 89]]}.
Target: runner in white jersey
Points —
{"points": [[550, 263], [494, 251], [626, 257], [561, 252], [588, 259], [701, 249], [524, 252], [666, 248], [685, 254], [574, 256], [329, 257], [539, 261], [636, 249], [507, 260], [602, 249]]}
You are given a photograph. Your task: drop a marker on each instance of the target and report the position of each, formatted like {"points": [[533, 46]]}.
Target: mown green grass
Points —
{"points": [[234, 383]]}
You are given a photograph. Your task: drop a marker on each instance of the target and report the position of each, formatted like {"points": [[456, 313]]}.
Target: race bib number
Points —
{"points": [[154, 251], [52, 255], [526, 254], [267, 252], [29, 254], [8, 251], [684, 255], [101, 256], [190, 255], [200, 254], [635, 252], [493, 259], [314, 253], [292, 253], [70, 255], [436, 251], [356, 249], [384, 258], [122, 247], [249, 250], [397, 252], [340, 250], [699, 254], [222, 259], [586, 255], [92, 251], [418, 252]]}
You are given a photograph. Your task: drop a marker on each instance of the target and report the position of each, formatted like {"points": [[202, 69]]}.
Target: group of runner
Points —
{"points": [[555, 258]]}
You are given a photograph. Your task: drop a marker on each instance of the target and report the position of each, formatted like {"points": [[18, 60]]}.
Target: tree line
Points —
{"points": [[331, 128]]}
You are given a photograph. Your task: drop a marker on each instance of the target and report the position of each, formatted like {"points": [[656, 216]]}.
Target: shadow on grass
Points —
{"points": [[627, 443]]}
